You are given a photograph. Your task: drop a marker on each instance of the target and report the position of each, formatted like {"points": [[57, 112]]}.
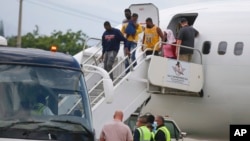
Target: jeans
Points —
{"points": [[109, 60], [130, 45]]}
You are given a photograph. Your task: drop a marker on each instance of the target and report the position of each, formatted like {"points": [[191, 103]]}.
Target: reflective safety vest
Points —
{"points": [[165, 131], [38, 109], [153, 135], [145, 134]]}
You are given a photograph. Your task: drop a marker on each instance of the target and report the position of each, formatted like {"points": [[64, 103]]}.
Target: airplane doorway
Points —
{"points": [[174, 23]]}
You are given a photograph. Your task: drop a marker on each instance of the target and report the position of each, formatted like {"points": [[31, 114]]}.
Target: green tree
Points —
{"points": [[69, 42]]}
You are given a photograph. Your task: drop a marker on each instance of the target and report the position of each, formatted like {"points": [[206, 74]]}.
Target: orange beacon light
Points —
{"points": [[53, 48]]}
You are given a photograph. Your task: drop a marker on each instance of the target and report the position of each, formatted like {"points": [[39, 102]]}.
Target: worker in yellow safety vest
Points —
{"points": [[40, 108], [150, 127], [142, 133], [162, 133]]}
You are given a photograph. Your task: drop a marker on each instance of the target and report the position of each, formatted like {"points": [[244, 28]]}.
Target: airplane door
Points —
{"points": [[144, 11]]}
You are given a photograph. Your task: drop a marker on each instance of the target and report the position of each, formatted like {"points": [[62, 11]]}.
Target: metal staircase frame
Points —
{"points": [[118, 78]]}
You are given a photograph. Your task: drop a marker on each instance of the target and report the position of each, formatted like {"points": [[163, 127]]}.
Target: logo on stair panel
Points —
{"points": [[178, 72]]}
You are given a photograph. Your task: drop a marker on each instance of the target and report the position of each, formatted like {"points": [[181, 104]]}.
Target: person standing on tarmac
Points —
{"points": [[142, 133], [116, 130], [162, 133], [150, 124]]}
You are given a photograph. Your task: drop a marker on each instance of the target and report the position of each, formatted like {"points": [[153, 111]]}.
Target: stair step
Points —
{"points": [[170, 91]]}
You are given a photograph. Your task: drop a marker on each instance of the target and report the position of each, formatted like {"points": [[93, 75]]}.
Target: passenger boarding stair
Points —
{"points": [[151, 75], [129, 92], [91, 56], [86, 56]]}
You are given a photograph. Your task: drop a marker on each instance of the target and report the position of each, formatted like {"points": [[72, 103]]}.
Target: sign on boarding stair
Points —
{"points": [[171, 73]]}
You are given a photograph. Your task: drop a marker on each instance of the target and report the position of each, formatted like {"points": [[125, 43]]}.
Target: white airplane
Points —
{"points": [[223, 41], [216, 84]]}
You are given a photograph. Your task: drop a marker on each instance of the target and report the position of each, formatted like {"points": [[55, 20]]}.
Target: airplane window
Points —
{"points": [[238, 48], [222, 48], [206, 47]]}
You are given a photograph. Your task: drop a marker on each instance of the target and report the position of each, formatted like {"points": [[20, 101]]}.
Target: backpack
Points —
{"points": [[130, 29]]}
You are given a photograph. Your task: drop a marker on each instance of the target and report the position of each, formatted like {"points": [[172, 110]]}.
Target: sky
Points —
{"points": [[62, 15]]}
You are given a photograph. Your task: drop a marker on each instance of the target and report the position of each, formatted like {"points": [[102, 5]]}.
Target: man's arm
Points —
{"points": [[160, 34], [129, 134], [136, 135], [143, 38], [102, 136], [178, 44], [139, 29], [122, 38], [123, 29], [101, 139]]}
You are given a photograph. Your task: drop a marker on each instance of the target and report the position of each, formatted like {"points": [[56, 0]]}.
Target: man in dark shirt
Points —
{"points": [[162, 133], [185, 37], [142, 132], [111, 39]]}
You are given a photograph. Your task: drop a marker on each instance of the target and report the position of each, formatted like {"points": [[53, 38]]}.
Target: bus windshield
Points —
{"points": [[30, 92]]}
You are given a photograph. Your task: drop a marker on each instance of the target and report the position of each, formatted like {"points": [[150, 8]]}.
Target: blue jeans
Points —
{"points": [[130, 45]]}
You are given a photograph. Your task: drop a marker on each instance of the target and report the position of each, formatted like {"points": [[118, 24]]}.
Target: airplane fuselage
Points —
{"points": [[225, 29]]}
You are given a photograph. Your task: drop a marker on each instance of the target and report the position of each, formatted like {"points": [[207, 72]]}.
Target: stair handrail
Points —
{"points": [[74, 106], [117, 78], [105, 78], [130, 65], [119, 63], [181, 46]]}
